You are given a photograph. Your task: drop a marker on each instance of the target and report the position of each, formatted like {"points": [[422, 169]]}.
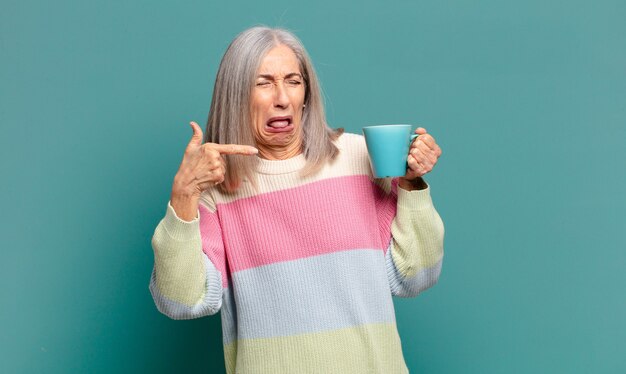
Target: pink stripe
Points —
{"points": [[322, 217], [386, 205], [212, 243]]}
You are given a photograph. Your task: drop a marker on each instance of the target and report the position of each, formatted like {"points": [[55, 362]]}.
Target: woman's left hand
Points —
{"points": [[423, 155]]}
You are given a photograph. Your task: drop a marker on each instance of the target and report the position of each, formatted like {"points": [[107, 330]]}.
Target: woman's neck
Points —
{"points": [[280, 152], [271, 153]]}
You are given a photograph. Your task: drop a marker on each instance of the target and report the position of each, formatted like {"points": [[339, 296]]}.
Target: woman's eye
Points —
{"points": [[294, 82], [262, 83]]}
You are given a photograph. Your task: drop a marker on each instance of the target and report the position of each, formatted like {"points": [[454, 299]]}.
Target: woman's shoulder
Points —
{"points": [[352, 158], [353, 151], [351, 143]]}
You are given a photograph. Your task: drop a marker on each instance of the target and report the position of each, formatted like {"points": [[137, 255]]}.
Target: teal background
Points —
{"points": [[527, 100]]}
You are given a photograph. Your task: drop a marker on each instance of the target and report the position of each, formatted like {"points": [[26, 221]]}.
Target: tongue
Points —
{"points": [[279, 124]]}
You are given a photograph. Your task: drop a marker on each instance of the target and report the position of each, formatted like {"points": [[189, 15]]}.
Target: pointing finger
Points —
{"points": [[235, 149]]}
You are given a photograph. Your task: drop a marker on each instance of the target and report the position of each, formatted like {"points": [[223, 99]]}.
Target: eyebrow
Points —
{"points": [[271, 77]]}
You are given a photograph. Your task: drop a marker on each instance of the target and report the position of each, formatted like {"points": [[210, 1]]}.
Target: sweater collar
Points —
{"points": [[281, 166]]}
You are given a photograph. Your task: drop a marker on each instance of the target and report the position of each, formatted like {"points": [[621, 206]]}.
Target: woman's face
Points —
{"points": [[277, 104]]}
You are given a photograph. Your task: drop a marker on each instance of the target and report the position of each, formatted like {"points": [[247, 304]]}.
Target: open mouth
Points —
{"points": [[279, 124]]}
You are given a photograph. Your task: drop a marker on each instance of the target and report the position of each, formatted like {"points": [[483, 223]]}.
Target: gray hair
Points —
{"points": [[230, 115]]}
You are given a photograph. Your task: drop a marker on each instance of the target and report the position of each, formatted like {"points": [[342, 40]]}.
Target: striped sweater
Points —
{"points": [[303, 269]]}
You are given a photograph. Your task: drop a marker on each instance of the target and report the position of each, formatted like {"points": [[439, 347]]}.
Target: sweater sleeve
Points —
{"points": [[185, 281], [415, 252]]}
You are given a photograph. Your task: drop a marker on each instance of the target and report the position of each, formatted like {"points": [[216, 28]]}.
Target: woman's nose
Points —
{"points": [[281, 100]]}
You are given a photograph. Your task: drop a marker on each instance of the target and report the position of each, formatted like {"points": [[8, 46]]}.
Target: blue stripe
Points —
{"points": [[332, 291], [229, 315]]}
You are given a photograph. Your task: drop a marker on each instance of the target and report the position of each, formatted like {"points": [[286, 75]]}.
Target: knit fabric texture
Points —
{"points": [[303, 269]]}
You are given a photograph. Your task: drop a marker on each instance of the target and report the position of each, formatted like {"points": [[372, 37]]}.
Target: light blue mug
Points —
{"points": [[388, 148]]}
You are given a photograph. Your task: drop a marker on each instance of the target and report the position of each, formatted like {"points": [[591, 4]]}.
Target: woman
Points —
{"points": [[277, 222]]}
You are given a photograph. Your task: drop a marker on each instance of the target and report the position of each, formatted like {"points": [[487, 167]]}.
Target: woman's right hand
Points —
{"points": [[202, 167]]}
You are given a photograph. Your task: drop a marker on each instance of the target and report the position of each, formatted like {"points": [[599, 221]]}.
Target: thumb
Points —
{"points": [[196, 138]]}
